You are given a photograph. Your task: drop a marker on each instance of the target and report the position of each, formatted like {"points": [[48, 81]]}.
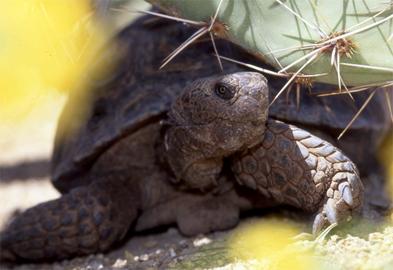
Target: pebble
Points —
{"points": [[94, 266], [119, 263], [144, 257], [201, 241], [172, 253]]}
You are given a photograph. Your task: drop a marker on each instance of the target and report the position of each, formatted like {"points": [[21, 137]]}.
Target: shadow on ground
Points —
{"points": [[25, 170]]}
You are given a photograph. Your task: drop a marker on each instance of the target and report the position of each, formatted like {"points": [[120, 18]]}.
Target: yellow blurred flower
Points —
{"points": [[45, 45], [269, 245]]}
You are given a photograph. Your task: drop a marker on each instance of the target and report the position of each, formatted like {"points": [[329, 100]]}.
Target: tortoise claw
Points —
{"points": [[320, 222], [346, 193], [331, 211], [343, 199]]}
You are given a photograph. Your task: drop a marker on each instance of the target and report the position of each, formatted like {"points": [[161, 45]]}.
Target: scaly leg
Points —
{"points": [[293, 167], [86, 220]]}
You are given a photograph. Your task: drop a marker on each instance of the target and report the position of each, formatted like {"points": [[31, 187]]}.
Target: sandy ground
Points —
{"points": [[26, 147]]}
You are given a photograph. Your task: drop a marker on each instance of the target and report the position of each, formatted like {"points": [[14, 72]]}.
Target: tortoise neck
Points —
{"points": [[194, 161]]}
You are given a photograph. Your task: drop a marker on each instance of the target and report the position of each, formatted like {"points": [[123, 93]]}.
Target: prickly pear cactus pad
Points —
{"points": [[348, 42]]}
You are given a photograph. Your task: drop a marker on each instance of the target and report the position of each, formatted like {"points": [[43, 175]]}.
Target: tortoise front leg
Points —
{"points": [[293, 167], [86, 220]]}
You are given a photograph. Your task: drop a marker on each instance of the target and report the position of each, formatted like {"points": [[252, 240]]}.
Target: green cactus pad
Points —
{"points": [[266, 26]]}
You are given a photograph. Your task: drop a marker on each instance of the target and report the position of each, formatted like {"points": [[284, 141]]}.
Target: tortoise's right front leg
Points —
{"points": [[293, 167], [86, 220]]}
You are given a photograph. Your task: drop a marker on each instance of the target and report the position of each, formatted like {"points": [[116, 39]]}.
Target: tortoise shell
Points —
{"points": [[138, 92]]}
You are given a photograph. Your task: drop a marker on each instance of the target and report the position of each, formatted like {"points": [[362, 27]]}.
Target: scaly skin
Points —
{"points": [[87, 220], [293, 167]]}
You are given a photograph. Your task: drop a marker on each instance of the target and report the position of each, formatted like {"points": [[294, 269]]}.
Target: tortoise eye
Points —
{"points": [[223, 91]]}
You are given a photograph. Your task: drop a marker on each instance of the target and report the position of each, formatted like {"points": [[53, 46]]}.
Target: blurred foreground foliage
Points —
{"points": [[276, 243], [269, 244], [46, 46]]}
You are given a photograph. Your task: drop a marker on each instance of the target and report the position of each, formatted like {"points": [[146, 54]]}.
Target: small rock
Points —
{"points": [[95, 266], [119, 263], [172, 253], [143, 257], [202, 241]]}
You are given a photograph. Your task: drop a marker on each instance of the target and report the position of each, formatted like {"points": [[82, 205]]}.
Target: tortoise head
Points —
{"points": [[228, 112]]}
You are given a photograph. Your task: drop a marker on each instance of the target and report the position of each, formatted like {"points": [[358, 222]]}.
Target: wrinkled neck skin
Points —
{"points": [[195, 153]]}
